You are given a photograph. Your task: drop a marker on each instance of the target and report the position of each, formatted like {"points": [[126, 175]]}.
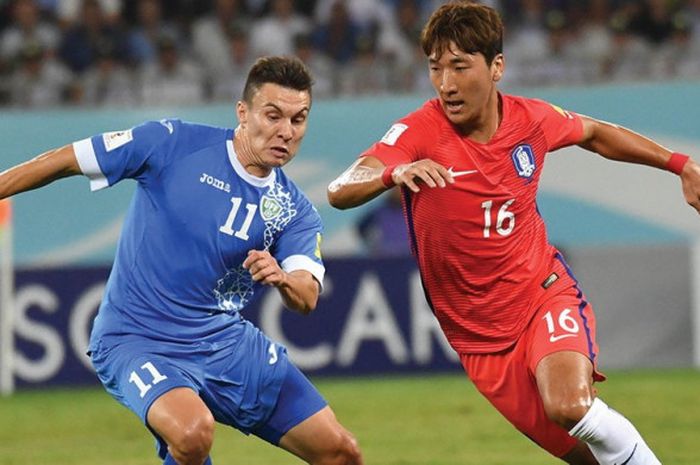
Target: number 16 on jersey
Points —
{"points": [[505, 220]]}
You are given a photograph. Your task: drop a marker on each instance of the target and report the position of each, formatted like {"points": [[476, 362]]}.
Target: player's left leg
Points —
{"points": [[253, 386], [563, 349], [506, 380], [564, 381], [303, 424], [322, 440]]}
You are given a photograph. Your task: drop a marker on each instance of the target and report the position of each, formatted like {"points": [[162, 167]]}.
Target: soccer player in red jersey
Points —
{"points": [[469, 164]]}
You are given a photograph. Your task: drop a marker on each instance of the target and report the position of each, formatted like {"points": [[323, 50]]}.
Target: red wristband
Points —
{"points": [[387, 179], [676, 163]]}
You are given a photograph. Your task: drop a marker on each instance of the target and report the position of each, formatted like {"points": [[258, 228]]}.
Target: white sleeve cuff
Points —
{"points": [[87, 160], [302, 262]]}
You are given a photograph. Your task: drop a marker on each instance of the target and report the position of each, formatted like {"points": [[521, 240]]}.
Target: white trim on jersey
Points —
{"points": [[87, 160], [302, 262], [267, 181]]}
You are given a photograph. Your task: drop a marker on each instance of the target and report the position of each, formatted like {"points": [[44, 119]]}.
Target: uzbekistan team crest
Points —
{"points": [[524, 160], [269, 208]]}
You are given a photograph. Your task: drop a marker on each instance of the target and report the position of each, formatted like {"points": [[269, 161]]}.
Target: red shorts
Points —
{"points": [[507, 379]]}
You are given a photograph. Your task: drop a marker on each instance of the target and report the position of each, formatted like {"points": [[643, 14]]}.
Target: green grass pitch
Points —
{"points": [[430, 420]]}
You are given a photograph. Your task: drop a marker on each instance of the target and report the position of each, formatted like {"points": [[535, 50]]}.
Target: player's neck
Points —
{"points": [[246, 156], [484, 128]]}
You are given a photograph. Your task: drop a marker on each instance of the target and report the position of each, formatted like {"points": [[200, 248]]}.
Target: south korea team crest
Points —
{"points": [[524, 160]]}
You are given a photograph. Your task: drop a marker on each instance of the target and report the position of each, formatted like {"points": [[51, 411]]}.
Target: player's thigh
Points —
{"points": [[319, 436], [243, 381], [178, 413], [506, 382], [136, 375], [565, 383], [298, 402], [303, 424], [563, 332]]}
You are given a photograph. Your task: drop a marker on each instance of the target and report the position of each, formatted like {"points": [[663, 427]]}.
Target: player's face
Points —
{"points": [[272, 125], [466, 85]]}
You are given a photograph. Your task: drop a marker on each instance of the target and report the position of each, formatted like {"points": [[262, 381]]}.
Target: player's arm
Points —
{"points": [[40, 171], [299, 289], [621, 144], [368, 177]]}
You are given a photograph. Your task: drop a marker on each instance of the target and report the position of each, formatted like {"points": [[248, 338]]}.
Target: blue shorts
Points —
{"points": [[246, 381]]}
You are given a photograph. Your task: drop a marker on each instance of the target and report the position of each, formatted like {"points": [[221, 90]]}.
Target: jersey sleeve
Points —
{"points": [[299, 245], [132, 153], [561, 127], [404, 142]]}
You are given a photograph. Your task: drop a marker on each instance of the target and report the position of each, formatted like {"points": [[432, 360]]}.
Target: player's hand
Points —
{"points": [[422, 171], [690, 179], [264, 268]]}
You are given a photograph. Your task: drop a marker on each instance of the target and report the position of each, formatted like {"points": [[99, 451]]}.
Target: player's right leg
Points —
{"points": [[155, 385], [186, 425]]}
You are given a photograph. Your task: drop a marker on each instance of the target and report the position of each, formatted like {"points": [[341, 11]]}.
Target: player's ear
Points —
{"points": [[498, 66], [242, 112]]}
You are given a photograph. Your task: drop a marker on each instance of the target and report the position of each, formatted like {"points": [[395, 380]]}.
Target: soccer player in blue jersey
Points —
{"points": [[213, 221]]}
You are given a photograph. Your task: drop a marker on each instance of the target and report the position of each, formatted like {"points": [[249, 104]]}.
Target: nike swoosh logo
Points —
{"points": [[630, 457], [554, 338], [456, 174]]}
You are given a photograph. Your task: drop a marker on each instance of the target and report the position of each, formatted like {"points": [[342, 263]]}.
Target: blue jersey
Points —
{"points": [[196, 213]]}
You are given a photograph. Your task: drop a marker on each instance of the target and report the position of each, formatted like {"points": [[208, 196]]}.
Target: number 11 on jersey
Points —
{"points": [[242, 233]]}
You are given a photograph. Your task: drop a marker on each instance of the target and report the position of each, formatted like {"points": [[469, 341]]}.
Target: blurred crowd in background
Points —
{"points": [[183, 52]]}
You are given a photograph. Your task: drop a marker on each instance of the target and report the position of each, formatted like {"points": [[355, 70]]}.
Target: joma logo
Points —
{"points": [[217, 183]]}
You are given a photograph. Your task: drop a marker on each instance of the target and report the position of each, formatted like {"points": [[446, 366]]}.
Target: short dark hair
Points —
{"points": [[288, 72], [474, 28]]}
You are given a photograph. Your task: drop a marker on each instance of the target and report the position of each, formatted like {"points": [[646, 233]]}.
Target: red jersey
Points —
{"points": [[480, 243]]}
